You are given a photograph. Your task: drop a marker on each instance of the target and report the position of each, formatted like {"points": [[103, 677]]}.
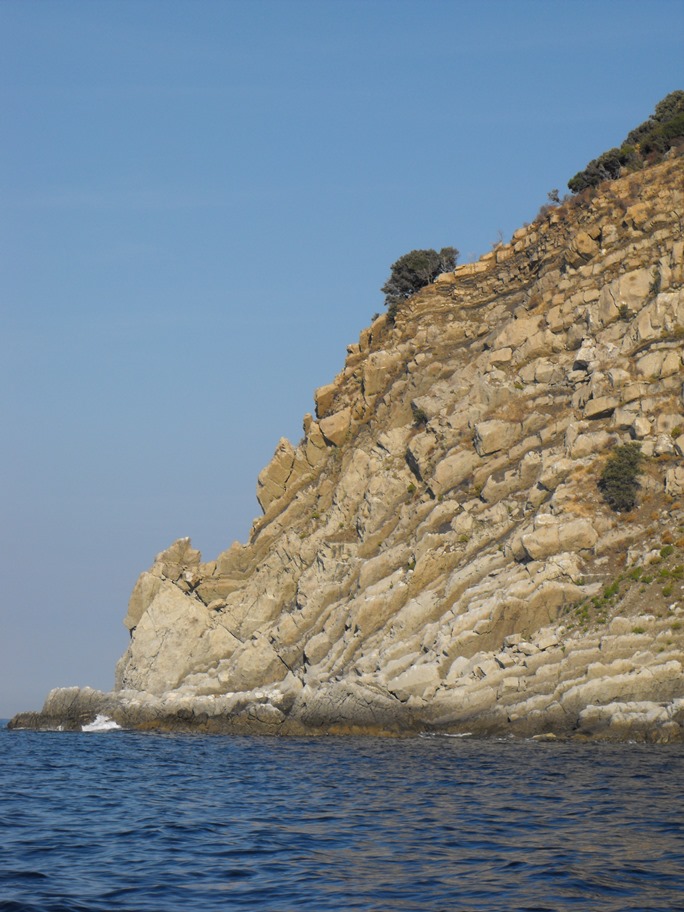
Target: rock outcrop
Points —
{"points": [[435, 554]]}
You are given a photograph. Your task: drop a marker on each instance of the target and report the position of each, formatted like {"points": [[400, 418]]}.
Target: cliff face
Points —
{"points": [[435, 553]]}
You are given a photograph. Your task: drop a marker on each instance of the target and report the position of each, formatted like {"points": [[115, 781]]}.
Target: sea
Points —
{"points": [[112, 821]]}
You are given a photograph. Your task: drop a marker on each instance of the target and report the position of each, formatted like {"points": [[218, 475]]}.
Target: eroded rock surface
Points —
{"points": [[435, 553]]}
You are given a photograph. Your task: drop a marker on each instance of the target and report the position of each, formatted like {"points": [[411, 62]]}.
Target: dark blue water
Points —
{"points": [[123, 821]]}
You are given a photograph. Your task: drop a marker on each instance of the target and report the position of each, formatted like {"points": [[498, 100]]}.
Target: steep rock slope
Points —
{"points": [[435, 554]]}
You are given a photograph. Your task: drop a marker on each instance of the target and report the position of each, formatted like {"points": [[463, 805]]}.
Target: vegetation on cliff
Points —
{"points": [[413, 271], [619, 482], [646, 144]]}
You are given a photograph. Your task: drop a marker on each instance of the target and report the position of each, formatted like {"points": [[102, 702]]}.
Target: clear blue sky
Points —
{"points": [[199, 203]]}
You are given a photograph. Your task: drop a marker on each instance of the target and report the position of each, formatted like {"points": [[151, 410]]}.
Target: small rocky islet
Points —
{"points": [[437, 554]]}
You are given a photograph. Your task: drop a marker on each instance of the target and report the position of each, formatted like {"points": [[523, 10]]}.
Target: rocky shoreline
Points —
{"points": [[616, 688]]}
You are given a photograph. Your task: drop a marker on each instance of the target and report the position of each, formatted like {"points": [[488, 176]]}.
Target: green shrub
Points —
{"points": [[420, 416], [606, 167], [414, 271], [648, 142], [611, 590], [619, 482]]}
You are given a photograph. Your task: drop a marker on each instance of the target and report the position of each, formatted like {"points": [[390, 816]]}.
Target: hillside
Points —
{"points": [[435, 554]]}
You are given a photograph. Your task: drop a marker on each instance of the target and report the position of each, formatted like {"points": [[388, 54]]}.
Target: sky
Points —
{"points": [[199, 202]]}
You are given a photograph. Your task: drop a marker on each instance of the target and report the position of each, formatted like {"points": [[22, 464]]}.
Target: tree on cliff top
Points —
{"points": [[414, 271], [647, 143]]}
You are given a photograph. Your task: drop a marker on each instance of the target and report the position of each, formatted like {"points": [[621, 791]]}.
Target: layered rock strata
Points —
{"points": [[435, 555]]}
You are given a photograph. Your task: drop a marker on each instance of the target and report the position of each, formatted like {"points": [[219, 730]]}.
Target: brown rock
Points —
{"points": [[335, 427], [323, 397]]}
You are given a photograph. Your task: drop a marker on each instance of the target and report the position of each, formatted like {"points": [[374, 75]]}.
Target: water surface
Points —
{"points": [[105, 821]]}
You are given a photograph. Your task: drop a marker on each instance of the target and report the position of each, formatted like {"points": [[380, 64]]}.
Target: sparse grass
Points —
{"points": [[611, 590]]}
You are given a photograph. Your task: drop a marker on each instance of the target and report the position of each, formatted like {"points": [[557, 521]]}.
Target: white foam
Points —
{"points": [[101, 724]]}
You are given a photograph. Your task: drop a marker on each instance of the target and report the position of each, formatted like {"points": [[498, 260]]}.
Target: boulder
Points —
{"points": [[515, 332], [452, 471], [552, 536], [377, 372], [315, 446], [323, 397], [601, 407], [335, 427], [585, 245], [494, 435]]}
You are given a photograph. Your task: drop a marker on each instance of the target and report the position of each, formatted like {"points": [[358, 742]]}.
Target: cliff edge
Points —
{"points": [[435, 554]]}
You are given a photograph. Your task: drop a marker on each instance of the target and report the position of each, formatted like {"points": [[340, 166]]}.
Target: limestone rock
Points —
{"points": [[452, 471], [377, 371], [315, 444], [435, 554], [553, 537], [674, 481], [585, 245], [601, 407], [162, 646], [144, 592], [494, 435], [273, 479], [324, 397]]}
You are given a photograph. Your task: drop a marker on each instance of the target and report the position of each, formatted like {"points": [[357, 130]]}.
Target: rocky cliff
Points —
{"points": [[435, 553]]}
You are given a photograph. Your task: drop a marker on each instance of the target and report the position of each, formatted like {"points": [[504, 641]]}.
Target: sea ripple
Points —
{"points": [[114, 820]]}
